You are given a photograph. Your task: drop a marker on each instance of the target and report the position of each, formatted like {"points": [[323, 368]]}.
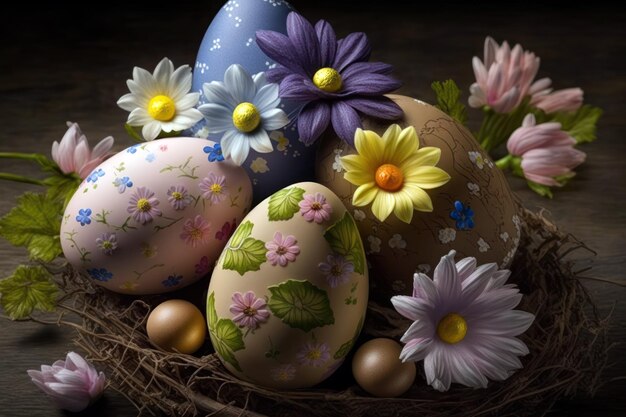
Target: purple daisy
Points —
{"points": [[142, 205], [214, 188], [315, 208], [178, 197], [248, 310], [336, 269], [313, 354], [330, 78], [281, 251]]}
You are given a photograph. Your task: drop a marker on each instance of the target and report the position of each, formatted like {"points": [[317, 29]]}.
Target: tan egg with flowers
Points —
{"points": [[418, 190]]}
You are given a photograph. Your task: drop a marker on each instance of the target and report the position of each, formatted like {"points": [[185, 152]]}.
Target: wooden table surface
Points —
{"points": [[72, 63]]}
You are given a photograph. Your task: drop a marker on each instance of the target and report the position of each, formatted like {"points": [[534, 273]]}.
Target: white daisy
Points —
{"points": [[244, 108], [161, 101]]}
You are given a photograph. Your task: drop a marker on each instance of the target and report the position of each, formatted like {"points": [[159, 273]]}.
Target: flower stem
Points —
{"points": [[503, 163], [20, 178], [37, 157]]}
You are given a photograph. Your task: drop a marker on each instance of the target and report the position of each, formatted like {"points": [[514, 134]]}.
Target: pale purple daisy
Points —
{"points": [[331, 78], [464, 325], [313, 354], [142, 205], [196, 232], [107, 242], [214, 188], [336, 269], [315, 208], [248, 310], [283, 373], [178, 197], [282, 250]]}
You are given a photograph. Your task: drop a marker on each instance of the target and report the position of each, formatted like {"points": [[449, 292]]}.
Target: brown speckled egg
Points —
{"points": [[377, 368], [477, 193]]}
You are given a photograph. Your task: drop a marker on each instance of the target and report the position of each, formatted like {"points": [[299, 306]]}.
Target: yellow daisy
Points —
{"points": [[391, 172]]}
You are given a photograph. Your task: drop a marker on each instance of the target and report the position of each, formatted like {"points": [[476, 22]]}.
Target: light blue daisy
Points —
{"points": [[244, 108]]}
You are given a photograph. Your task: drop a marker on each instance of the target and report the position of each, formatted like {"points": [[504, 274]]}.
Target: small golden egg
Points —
{"points": [[176, 325], [377, 368]]}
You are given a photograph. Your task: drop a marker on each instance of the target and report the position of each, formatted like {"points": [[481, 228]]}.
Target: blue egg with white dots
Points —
{"points": [[231, 39]]}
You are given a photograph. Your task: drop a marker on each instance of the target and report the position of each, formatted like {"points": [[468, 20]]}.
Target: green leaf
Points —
{"points": [[62, 187], [300, 305], [244, 253], [226, 337], [542, 190], [346, 347], [581, 124], [449, 100], [35, 223], [284, 203], [29, 288], [344, 239]]}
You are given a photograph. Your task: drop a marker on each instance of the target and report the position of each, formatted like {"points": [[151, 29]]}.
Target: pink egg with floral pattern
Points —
{"points": [[288, 295], [155, 217]]}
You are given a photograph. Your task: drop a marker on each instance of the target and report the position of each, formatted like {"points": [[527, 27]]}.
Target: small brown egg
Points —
{"points": [[377, 368], [176, 325]]}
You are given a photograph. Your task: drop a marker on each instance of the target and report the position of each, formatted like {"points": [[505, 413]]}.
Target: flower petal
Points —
{"points": [[260, 141], [365, 194], [345, 121], [464, 371], [421, 200], [151, 130], [369, 84], [238, 146], [437, 369], [187, 101], [304, 39], [273, 119], [427, 177], [298, 88], [367, 67], [130, 102], [508, 323], [399, 143], [215, 92], [327, 42], [139, 117], [353, 48], [422, 327], [446, 278], [369, 145], [239, 83], [380, 107], [383, 205], [163, 71], [280, 49], [475, 283], [219, 118], [415, 350], [267, 97], [313, 121], [403, 208], [428, 156], [180, 82], [410, 307]]}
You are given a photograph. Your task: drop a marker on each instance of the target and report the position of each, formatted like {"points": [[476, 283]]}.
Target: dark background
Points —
{"points": [[67, 62]]}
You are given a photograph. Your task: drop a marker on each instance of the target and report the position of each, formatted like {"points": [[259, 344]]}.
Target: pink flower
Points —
{"points": [[72, 385], [505, 77], [569, 99], [336, 269], [195, 231], [249, 311], [315, 208], [281, 250], [178, 197], [73, 155], [313, 354], [214, 188], [202, 267], [548, 154], [226, 231], [142, 205]]}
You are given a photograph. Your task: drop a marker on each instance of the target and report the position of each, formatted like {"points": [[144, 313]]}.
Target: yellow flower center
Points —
{"points": [[143, 205], [177, 196], [389, 177], [327, 79], [216, 188], [452, 328], [314, 354], [195, 234], [162, 108], [249, 311], [246, 117], [107, 245]]}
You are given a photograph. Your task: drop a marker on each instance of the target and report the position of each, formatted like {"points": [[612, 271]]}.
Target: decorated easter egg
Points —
{"points": [[287, 297], [451, 194], [154, 217], [231, 39]]}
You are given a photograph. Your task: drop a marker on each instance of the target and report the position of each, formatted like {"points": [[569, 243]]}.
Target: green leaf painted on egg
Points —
{"points": [[243, 252], [225, 336], [344, 239], [346, 347], [300, 305], [284, 203]]}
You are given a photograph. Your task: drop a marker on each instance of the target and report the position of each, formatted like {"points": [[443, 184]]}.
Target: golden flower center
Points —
{"points": [[452, 328], [314, 354], [143, 205], [246, 117], [249, 311], [177, 195], [389, 177], [195, 234], [327, 79], [162, 108], [216, 188], [107, 244]]}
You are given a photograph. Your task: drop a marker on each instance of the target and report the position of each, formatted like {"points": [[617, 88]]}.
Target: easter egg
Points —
{"points": [[154, 217], [231, 39], [176, 326], [288, 296], [473, 213]]}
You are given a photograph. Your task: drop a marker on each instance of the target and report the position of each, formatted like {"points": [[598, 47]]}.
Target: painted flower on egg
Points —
{"points": [[464, 326], [243, 108], [391, 172], [332, 79], [161, 101]]}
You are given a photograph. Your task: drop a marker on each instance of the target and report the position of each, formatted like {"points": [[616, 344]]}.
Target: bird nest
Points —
{"points": [[567, 342]]}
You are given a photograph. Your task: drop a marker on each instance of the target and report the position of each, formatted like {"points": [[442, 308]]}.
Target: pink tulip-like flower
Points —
{"points": [[505, 77], [72, 385], [569, 99], [546, 151], [73, 154]]}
